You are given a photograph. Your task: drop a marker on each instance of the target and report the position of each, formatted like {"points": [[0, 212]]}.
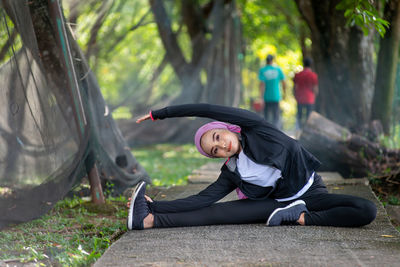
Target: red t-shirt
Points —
{"points": [[304, 82]]}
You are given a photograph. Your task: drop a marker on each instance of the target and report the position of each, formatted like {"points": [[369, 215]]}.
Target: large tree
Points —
{"points": [[382, 104], [207, 64], [343, 58], [214, 33]]}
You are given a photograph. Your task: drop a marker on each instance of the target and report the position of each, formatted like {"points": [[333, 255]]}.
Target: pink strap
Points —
{"points": [[240, 194], [151, 116]]}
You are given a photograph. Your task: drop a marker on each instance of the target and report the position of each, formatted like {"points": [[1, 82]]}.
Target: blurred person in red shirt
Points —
{"points": [[305, 91]]}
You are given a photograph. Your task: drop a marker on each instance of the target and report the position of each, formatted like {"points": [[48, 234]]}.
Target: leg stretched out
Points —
{"points": [[322, 208], [141, 212], [327, 209], [230, 212]]}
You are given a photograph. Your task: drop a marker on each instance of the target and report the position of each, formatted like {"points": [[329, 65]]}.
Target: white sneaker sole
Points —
{"points": [[131, 205], [297, 202]]}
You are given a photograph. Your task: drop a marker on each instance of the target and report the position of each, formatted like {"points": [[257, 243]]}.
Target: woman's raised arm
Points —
{"points": [[231, 115]]}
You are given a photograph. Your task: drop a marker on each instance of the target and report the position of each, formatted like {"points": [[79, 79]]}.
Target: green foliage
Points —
{"points": [[124, 69], [6, 30], [69, 235], [271, 27], [69, 203], [122, 112], [392, 141], [363, 14], [274, 22], [375, 181], [76, 232], [393, 200], [169, 164]]}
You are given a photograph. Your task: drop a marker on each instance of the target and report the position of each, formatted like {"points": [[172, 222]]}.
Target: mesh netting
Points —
{"points": [[54, 124]]}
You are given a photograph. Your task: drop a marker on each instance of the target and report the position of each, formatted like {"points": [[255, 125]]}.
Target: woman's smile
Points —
{"points": [[220, 143]]}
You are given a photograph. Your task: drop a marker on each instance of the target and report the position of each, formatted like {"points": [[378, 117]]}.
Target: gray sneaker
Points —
{"points": [[290, 213], [138, 208]]}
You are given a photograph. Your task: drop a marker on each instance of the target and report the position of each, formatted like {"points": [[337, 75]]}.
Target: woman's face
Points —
{"points": [[220, 143]]}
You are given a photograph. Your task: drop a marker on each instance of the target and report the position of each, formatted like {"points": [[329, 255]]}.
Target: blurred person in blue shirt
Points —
{"points": [[271, 79]]}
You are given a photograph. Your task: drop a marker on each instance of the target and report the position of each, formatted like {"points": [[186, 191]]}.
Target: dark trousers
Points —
{"points": [[324, 209], [272, 113], [303, 111]]}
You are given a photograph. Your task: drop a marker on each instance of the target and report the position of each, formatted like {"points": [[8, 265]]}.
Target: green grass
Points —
{"points": [[169, 164], [75, 232]]}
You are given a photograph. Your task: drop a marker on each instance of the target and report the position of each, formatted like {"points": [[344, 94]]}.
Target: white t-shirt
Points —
{"points": [[264, 175], [257, 174]]}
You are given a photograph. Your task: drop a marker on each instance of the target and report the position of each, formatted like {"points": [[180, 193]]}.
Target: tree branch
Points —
{"points": [[196, 25], [306, 11], [92, 43], [129, 99], [118, 39], [168, 37]]}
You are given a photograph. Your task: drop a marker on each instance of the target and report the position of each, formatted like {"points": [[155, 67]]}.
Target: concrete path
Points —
{"points": [[377, 244]]}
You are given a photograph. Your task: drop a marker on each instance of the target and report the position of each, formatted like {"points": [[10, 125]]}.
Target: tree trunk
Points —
{"points": [[382, 103], [217, 57], [343, 61], [325, 139], [199, 22], [105, 137], [349, 154]]}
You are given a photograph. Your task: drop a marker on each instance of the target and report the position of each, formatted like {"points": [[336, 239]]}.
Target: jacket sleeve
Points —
{"points": [[237, 116], [214, 192]]}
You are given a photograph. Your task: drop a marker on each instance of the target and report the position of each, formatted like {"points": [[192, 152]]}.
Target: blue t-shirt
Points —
{"points": [[271, 76]]}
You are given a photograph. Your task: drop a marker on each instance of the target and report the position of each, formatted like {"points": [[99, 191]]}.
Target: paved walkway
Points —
{"points": [[377, 244]]}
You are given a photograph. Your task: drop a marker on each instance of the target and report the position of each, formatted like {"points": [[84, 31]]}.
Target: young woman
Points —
{"points": [[274, 175]]}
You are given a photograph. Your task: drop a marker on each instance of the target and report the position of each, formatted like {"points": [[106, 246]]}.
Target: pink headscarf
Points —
{"points": [[209, 126]]}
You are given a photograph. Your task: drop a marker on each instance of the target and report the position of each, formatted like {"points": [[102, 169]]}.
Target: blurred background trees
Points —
{"points": [[151, 53], [147, 54]]}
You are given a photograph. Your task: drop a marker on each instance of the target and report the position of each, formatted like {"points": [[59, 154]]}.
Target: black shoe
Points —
{"points": [[138, 209], [290, 213]]}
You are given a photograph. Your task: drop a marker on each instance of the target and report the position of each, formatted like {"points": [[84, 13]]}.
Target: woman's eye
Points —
{"points": [[217, 137], [215, 151]]}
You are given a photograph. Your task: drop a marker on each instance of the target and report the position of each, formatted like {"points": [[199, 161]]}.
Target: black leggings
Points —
{"points": [[301, 117], [324, 209], [272, 113]]}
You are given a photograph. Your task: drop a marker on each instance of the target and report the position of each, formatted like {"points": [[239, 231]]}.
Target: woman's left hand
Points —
{"points": [[143, 118]]}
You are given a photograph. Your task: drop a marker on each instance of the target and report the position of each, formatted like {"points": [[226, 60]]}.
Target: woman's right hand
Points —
{"points": [[148, 199], [143, 118]]}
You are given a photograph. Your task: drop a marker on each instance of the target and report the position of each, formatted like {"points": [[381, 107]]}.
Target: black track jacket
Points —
{"points": [[261, 142]]}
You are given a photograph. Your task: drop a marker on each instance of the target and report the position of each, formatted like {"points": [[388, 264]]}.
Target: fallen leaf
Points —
{"points": [[387, 236]]}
